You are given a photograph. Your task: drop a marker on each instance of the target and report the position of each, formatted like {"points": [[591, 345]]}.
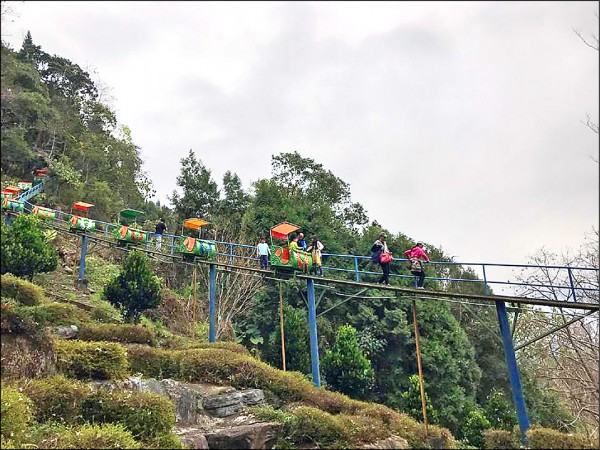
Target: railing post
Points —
{"points": [[485, 285], [212, 305], [314, 342], [172, 244], [572, 284], [7, 219], [356, 274], [84, 240], [513, 370], [231, 254]]}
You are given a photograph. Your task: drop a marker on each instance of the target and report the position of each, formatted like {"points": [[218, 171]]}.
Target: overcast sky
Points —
{"points": [[456, 123]]}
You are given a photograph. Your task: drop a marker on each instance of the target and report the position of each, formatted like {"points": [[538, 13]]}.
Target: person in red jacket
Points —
{"points": [[414, 255]]}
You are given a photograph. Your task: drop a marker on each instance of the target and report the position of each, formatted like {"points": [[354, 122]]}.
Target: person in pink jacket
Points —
{"points": [[414, 255]]}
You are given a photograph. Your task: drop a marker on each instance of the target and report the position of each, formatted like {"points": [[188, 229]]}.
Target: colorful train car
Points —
{"points": [[284, 259], [43, 213], [39, 175], [10, 204], [24, 185], [79, 221], [127, 235], [192, 246]]}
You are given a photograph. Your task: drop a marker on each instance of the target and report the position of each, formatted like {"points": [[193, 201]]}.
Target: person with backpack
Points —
{"points": [[381, 254], [161, 227], [414, 255], [315, 249]]}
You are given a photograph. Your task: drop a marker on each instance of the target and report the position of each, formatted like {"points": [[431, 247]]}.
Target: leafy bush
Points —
{"points": [[297, 341], [311, 425], [545, 438], [16, 414], [117, 333], [500, 439], [99, 272], [146, 415], [91, 360], [231, 346], [345, 367], [500, 412], [135, 289], [476, 423], [13, 320], [21, 290], [24, 249], [56, 313], [105, 312], [411, 402], [89, 436]]}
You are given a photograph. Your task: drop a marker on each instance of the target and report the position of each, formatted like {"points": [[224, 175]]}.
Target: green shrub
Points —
{"points": [[57, 399], [104, 312], [231, 346], [545, 438], [136, 288], [13, 320], [476, 423], [345, 367], [500, 439], [146, 415], [412, 403], [89, 436], [99, 272], [169, 440], [91, 360], [56, 313], [24, 249], [21, 290], [136, 334], [500, 412], [6, 443], [152, 362], [311, 425], [15, 414]]}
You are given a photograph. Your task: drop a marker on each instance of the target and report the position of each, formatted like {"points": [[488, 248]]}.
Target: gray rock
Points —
{"points": [[67, 332], [194, 439], [253, 397], [223, 405], [391, 442], [258, 435]]}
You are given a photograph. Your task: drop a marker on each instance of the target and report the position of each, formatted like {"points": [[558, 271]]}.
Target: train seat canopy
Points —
{"points": [[130, 213], [82, 206], [282, 230], [12, 189], [194, 223]]}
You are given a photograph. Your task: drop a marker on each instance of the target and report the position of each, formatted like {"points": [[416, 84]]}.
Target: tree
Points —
{"points": [[24, 250], [136, 288], [297, 341], [412, 405], [231, 208], [345, 367], [200, 196]]}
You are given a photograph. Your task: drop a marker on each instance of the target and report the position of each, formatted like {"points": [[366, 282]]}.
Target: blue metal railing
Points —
{"points": [[351, 264]]}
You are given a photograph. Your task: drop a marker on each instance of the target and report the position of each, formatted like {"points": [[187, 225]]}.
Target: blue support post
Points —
{"points": [[84, 240], [513, 370], [356, 274], [572, 284], [314, 342], [485, 286], [212, 306], [7, 219], [231, 254], [172, 244]]}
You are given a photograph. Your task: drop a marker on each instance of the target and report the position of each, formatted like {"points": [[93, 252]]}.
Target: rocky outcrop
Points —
{"points": [[391, 442], [249, 436], [26, 357]]}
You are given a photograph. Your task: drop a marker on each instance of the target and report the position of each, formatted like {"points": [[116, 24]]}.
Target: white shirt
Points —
{"points": [[263, 249]]}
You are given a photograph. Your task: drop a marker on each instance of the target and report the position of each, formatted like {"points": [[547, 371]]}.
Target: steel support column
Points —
{"points": [[84, 242], [212, 306], [513, 370], [314, 342]]}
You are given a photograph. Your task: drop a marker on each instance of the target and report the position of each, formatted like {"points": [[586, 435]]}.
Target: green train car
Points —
{"points": [[10, 204], [194, 247], [43, 213], [80, 222], [282, 258], [127, 235]]}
